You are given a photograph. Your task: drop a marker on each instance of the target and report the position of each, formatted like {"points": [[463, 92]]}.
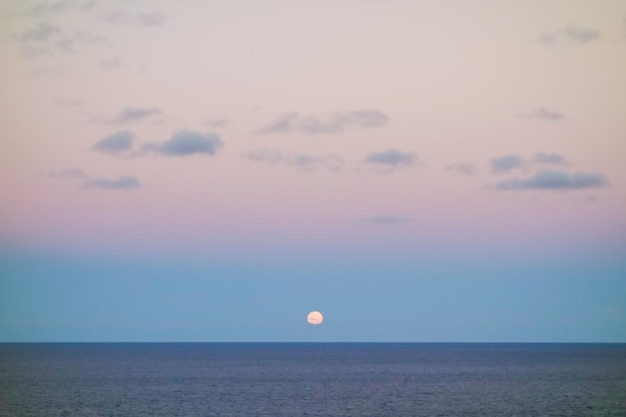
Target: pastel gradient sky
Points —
{"points": [[214, 170]]}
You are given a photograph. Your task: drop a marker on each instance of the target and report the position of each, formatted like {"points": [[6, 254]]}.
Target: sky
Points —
{"points": [[214, 170]]}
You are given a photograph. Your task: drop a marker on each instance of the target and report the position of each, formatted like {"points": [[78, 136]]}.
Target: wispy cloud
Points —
{"points": [[110, 63], [554, 180], [549, 159], [572, 34], [185, 143], [61, 6], [330, 123], [49, 39], [67, 102], [543, 113], [116, 143], [150, 19], [211, 122], [130, 115], [387, 219], [124, 182], [465, 168], [121, 183], [40, 33], [300, 161], [392, 158], [505, 164]]}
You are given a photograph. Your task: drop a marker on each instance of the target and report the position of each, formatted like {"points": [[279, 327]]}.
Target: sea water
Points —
{"points": [[312, 379]]}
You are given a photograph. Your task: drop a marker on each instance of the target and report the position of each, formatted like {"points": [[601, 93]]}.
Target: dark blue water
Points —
{"points": [[317, 379]]}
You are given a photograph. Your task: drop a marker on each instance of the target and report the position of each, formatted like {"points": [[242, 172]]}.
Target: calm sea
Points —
{"points": [[316, 379]]}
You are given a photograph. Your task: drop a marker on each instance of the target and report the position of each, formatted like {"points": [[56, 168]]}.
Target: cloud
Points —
{"points": [[116, 143], [185, 143], [326, 124], [504, 164], [465, 168], [49, 39], [554, 180], [40, 33], [302, 162], [210, 122], [129, 115], [392, 157], [542, 113], [387, 219], [122, 183], [110, 63], [137, 19], [572, 34], [67, 174], [67, 102], [580, 35], [549, 159], [61, 6]]}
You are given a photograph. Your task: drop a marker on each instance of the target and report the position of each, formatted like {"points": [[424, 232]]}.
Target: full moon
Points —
{"points": [[315, 318]]}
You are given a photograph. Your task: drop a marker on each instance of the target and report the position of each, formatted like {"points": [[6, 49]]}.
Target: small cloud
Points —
{"points": [[110, 63], [326, 124], [121, 183], [209, 122], [40, 33], [62, 6], [87, 182], [392, 157], [549, 159], [465, 168], [185, 143], [150, 19], [67, 102], [137, 19], [572, 34], [506, 163], [67, 174], [542, 113], [46, 72], [302, 162], [116, 143], [554, 180], [580, 35], [386, 219], [48, 39], [129, 115]]}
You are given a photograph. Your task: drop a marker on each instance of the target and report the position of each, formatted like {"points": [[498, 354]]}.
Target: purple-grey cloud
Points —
{"points": [[116, 143], [300, 161], [554, 180], [465, 168], [122, 183], [185, 143], [392, 157], [87, 182], [130, 115], [504, 164], [331, 123]]}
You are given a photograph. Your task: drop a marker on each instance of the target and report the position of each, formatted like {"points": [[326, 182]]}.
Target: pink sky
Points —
{"points": [[441, 82]]}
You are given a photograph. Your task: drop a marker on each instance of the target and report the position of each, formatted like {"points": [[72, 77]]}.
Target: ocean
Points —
{"points": [[312, 379]]}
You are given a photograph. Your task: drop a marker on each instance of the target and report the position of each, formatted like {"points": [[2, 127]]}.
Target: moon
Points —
{"points": [[315, 318]]}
